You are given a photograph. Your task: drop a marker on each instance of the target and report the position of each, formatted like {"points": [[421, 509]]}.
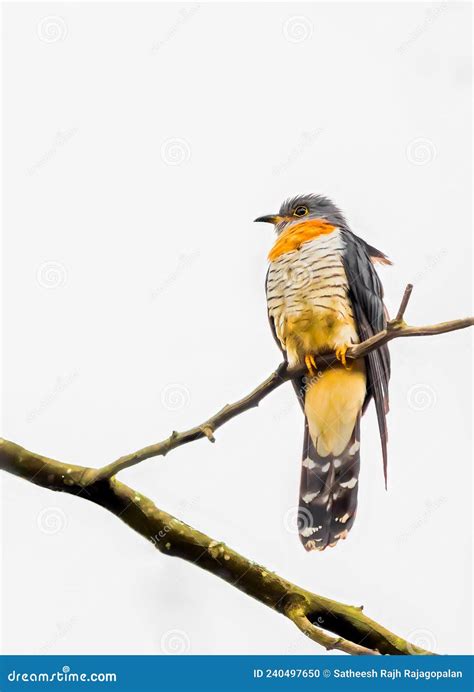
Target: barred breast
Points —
{"points": [[308, 301]]}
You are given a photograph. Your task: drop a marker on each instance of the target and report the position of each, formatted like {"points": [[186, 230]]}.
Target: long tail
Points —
{"points": [[331, 460]]}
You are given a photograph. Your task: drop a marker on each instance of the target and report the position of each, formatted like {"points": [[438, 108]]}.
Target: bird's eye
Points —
{"points": [[300, 211]]}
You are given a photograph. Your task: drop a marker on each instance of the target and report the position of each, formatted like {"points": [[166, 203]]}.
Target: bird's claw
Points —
{"points": [[341, 356], [310, 363]]}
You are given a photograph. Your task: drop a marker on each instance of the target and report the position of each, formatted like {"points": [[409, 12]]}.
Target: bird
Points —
{"points": [[324, 295]]}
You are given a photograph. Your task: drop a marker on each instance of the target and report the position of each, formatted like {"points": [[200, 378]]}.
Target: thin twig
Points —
{"points": [[395, 329], [404, 303]]}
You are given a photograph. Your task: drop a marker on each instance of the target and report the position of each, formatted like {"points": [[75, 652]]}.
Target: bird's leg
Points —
{"points": [[341, 355], [310, 363]]}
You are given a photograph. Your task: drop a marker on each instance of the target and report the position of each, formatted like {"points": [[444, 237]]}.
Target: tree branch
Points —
{"points": [[311, 613], [395, 329]]}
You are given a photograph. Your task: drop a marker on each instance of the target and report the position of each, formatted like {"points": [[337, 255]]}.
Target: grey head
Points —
{"points": [[303, 208]]}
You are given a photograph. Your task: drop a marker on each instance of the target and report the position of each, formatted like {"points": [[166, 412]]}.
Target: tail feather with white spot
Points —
{"points": [[328, 493]]}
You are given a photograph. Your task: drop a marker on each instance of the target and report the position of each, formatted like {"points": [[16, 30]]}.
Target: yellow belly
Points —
{"points": [[316, 330]]}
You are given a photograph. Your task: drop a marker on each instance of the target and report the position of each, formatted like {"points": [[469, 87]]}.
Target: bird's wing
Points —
{"points": [[366, 293]]}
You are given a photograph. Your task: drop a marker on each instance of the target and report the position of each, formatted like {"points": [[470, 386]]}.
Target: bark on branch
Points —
{"points": [[314, 615]]}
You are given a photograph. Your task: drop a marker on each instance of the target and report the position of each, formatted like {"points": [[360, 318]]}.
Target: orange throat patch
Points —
{"points": [[295, 236]]}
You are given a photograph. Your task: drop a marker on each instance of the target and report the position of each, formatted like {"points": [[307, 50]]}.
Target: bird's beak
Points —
{"points": [[270, 218]]}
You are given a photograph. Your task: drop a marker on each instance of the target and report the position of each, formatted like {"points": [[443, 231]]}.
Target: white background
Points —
{"points": [[140, 141]]}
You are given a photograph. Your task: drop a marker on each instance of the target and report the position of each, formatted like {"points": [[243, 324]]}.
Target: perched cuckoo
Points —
{"points": [[323, 295]]}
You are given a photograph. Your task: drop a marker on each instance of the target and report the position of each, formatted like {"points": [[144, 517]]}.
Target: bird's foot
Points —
{"points": [[341, 355], [310, 363]]}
